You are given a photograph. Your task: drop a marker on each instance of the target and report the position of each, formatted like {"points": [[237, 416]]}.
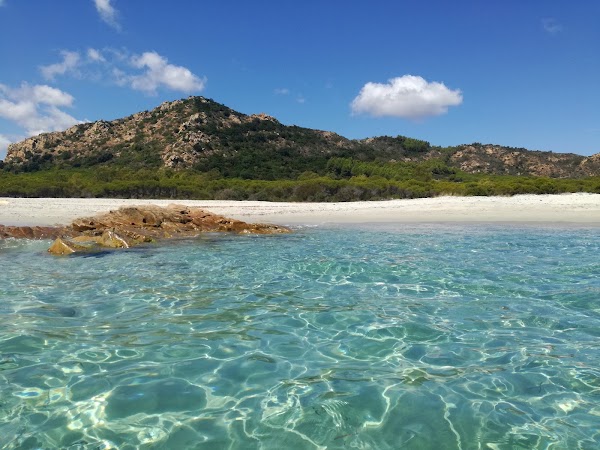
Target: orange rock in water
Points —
{"points": [[18, 232], [61, 247], [130, 226]]}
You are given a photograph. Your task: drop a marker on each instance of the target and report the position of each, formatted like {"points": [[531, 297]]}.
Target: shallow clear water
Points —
{"points": [[382, 337]]}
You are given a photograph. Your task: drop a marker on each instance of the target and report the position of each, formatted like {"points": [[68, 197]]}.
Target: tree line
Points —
{"points": [[341, 179]]}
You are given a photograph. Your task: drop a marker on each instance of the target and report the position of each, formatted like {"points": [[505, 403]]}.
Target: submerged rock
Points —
{"points": [[134, 225], [63, 247]]}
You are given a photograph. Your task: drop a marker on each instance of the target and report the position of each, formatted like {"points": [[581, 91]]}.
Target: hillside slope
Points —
{"points": [[198, 133]]}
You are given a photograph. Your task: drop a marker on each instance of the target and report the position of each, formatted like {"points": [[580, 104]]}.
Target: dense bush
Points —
{"points": [[343, 180]]}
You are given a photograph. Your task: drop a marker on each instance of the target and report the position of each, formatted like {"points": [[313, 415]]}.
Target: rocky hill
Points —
{"points": [[198, 133]]}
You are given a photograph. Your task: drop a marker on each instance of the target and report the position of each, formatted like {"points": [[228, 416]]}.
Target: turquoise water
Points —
{"points": [[372, 337]]}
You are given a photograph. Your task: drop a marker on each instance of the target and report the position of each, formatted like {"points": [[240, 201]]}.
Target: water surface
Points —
{"points": [[370, 337]]}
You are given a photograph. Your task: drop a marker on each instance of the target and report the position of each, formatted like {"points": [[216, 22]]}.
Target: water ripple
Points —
{"points": [[417, 337]]}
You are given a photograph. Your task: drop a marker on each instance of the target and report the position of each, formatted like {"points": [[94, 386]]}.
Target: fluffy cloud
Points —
{"points": [[69, 63], [36, 108], [88, 65], [281, 91], [408, 96], [159, 73], [39, 93], [118, 66], [95, 55], [107, 13]]}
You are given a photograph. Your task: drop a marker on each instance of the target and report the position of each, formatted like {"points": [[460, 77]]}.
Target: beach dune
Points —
{"points": [[580, 208]]}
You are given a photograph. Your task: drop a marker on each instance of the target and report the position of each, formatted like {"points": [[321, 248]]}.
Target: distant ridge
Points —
{"points": [[201, 134]]}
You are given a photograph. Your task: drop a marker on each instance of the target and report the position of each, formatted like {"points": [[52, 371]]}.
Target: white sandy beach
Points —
{"points": [[577, 208]]}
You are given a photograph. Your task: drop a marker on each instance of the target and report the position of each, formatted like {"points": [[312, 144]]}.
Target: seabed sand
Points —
{"points": [[577, 208]]}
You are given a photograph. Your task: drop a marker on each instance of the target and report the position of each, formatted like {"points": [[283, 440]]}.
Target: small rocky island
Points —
{"points": [[131, 226]]}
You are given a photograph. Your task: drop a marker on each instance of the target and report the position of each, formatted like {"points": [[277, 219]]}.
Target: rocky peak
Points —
{"points": [[167, 106], [263, 116]]}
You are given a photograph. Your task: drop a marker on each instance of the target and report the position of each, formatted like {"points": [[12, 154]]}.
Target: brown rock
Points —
{"points": [[30, 232], [62, 247], [130, 226], [111, 239]]}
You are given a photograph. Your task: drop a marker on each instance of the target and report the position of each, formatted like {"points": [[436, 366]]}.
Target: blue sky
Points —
{"points": [[521, 73]]}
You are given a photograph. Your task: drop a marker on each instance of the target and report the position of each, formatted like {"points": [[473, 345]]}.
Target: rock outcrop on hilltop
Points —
{"points": [[131, 226], [494, 159], [198, 133], [178, 135]]}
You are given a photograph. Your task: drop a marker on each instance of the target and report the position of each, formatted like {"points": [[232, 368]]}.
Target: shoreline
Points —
{"points": [[577, 208]]}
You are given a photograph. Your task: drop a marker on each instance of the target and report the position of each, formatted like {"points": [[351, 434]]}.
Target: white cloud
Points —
{"points": [[46, 95], [69, 64], [408, 96], [120, 77], [40, 93], [300, 99], [75, 65], [159, 73], [95, 55], [551, 25], [118, 67], [107, 13], [281, 91], [36, 108]]}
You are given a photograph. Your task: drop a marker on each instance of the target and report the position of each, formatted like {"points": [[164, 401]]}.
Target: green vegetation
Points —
{"points": [[222, 154], [341, 179]]}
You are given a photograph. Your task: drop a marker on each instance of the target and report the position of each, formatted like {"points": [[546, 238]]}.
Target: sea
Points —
{"points": [[373, 336]]}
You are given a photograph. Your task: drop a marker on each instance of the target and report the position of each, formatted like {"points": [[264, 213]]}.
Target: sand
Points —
{"points": [[577, 208]]}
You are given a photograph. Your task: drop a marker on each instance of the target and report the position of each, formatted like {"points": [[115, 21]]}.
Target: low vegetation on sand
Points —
{"points": [[341, 179]]}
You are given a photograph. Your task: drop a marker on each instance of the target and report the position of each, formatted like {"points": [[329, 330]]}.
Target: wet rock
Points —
{"points": [[130, 226], [63, 247], [112, 240], [30, 232]]}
